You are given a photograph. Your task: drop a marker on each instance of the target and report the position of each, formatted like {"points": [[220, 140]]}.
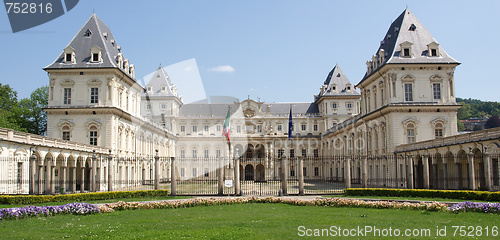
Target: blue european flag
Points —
{"points": [[290, 124]]}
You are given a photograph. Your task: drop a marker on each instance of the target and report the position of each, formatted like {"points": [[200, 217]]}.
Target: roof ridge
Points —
{"points": [[101, 38]]}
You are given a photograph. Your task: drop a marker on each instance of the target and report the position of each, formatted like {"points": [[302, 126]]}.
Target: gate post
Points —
{"points": [[110, 172], [347, 174], [301, 175], [32, 173], [220, 177], [237, 190], [284, 175], [173, 178], [157, 171]]}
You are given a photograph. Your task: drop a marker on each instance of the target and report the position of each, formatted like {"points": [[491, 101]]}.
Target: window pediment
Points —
{"points": [[409, 121], [95, 123], [436, 78], [67, 82], [408, 78], [65, 123], [94, 82], [439, 120]]}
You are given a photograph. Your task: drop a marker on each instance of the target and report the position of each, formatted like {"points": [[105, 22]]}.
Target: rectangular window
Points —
{"points": [[195, 129], [406, 52], [183, 153], [69, 57], [183, 172], [410, 133], [292, 153], [434, 52], [316, 153], [238, 129], [183, 128], [205, 128], [280, 127], [94, 95], [206, 172], [194, 172], [408, 92], [438, 133], [93, 138], [436, 87], [66, 136], [259, 128], [316, 171], [20, 173], [67, 96], [206, 153], [304, 171], [148, 107], [194, 153], [349, 105], [163, 106], [217, 153], [315, 127], [334, 105], [304, 152], [281, 152], [292, 172], [303, 127], [219, 127], [95, 57]]}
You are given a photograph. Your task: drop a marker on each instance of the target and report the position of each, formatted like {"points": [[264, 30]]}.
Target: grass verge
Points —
{"points": [[242, 221]]}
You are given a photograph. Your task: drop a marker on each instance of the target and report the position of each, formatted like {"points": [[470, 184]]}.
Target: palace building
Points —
{"points": [[361, 132]]}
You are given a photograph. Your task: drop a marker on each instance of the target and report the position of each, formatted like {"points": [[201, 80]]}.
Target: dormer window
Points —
{"points": [[433, 49], [406, 49], [163, 88], [348, 87], [69, 55], [95, 54], [150, 89]]}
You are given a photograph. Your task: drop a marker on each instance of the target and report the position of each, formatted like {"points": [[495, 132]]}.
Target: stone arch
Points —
{"points": [[249, 172]]}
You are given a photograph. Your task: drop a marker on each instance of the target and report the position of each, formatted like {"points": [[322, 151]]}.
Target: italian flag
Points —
{"points": [[227, 126]]}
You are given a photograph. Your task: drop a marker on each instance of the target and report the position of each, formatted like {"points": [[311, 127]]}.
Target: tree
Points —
{"points": [[464, 112], [30, 110], [8, 97], [492, 122]]}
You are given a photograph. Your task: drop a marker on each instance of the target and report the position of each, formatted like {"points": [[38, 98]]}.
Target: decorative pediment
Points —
{"points": [[67, 82], [438, 120], [93, 123], [408, 121], [436, 78], [248, 112], [408, 78], [94, 82], [65, 123]]}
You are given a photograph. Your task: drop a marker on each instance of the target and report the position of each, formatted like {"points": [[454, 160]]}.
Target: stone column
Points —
{"points": [[237, 190], [173, 176], [32, 174], [48, 179], [52, 177], [411, 179], [93, 173], [301, 175], [472, 176], [157, 171], [82, 183], [73, 179], [40, 177], [425, 161], [445, 174], [64, 181], [143, 175], [110, 173], [284, 175], [364, 176], [458, 170], [347, 172], [487, 170]]}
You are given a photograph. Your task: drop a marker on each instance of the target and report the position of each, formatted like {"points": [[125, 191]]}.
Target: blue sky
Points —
{"points": [[278, 51]]}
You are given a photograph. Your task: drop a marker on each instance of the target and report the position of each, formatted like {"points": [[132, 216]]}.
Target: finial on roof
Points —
{"points": [[160, 67]]}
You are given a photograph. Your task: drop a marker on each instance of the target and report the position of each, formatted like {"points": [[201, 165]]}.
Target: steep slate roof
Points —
{"points": [[159, 79], [82, 45], [220, 109], [338, 79], [400, 31]]}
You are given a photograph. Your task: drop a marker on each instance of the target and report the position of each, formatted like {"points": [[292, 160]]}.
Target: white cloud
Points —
{"points": [[222, 68]]}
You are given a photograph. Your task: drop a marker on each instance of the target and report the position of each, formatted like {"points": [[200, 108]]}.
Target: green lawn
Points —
{"points": [[243, 221], [406, 198], [101, 201]]}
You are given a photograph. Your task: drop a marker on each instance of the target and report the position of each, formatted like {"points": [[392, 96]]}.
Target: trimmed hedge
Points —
{"points": [[78, 197], [425, 193]]}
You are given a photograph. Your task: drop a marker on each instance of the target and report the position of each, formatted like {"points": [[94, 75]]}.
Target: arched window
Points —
{"points": [[66, 133], [410, 133], [438, 130], [93, 135]]}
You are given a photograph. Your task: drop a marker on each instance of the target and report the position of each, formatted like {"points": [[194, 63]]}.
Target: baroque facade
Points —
{"points": [[406, 97]]}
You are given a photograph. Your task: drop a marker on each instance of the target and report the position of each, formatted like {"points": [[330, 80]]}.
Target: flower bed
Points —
{"points": [[475, 207], [33, 211], [325, 202]]}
